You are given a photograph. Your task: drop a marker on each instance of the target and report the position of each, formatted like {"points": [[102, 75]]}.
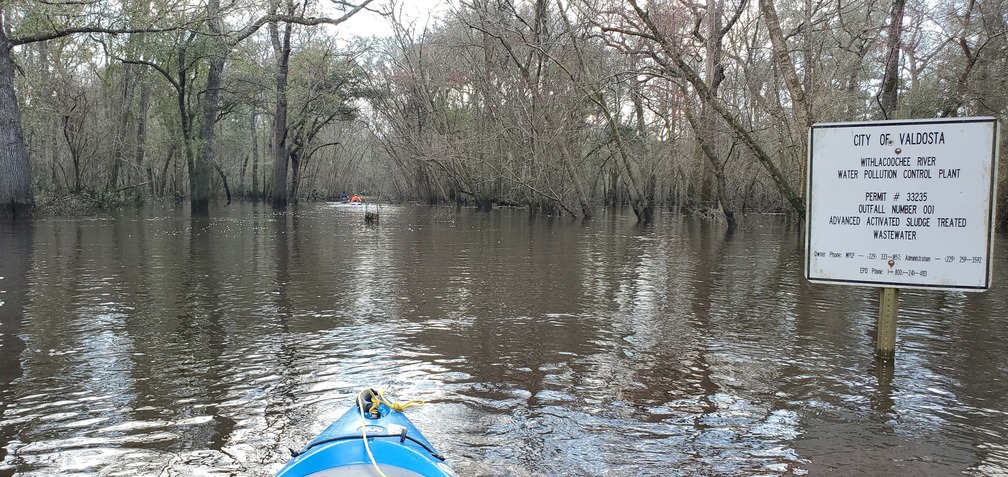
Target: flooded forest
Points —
{"points": [[560, 106]]}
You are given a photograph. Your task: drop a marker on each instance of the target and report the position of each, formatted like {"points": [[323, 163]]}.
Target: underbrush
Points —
{"points": [[87, 202]]}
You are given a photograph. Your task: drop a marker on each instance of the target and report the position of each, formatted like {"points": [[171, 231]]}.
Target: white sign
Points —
{"points": [[902, 204]]}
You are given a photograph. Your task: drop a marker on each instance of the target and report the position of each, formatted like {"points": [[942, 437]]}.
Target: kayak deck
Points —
{"points": [[398, 448]]}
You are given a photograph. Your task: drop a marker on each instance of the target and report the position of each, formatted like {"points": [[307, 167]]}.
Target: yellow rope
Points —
{"points": [[399, 407], [373, 411]]}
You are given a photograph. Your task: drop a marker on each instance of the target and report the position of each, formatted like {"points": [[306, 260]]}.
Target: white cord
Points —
{"points": [[364, 426]]}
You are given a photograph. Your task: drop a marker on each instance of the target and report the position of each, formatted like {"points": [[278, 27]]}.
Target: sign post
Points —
{"points": [[885, 342], [901, 204]]}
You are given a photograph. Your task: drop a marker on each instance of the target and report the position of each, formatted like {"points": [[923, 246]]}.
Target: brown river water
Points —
{"points": [[151, 343]]}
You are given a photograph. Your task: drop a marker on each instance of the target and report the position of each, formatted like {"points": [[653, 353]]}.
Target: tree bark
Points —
{"points": [[254, 134], [16, 195], [782, 58], [708, 130], [164, 170], [71, 140], [241, 175], [889, 94], [295, 176], [200, 185], [121, 133], [140, 150], [958, 97], [717, 166], [227, 190], [797, 89], [282, 48]]}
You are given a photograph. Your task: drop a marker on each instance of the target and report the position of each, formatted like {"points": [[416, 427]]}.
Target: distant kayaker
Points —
{"points": [[356, 198]]}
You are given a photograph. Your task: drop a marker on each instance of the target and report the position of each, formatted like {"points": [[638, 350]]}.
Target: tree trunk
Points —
{"points": [[717, 167], [47, 151], [200, 187], [709, 131], [783, 60], [889, 94], [164, 170], [121, 126], [635, 184], [569, 165], [16, 196], [74, 152], [241, 175], [797, 89], [185, 120], [295, 176], [280, 155], [958, 96], [255, 154], [646, 166], [227, 190], [140, 152]]}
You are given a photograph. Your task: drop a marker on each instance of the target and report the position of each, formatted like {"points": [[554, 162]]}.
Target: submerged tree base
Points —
{"points": [[14, 210]]}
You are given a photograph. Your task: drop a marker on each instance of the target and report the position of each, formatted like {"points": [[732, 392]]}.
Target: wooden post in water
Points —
{"points": [[885, 346]]}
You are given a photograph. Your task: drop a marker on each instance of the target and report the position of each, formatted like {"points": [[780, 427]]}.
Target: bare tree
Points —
{"points": [[640, 22]]}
